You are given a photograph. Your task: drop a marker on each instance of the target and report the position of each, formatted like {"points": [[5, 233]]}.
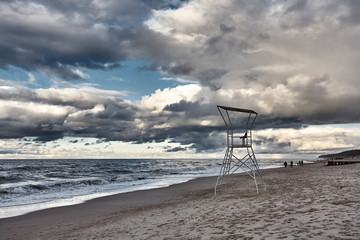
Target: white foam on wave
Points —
{"points": [[144, 179], [20, 209]]}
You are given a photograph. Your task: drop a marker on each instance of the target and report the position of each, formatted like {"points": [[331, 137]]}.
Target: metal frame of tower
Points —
{"points": [[238, 137]]}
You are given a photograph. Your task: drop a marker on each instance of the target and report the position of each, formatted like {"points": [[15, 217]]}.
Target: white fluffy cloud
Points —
{"points": [[161, 98], [286, 59], [309, 140]]}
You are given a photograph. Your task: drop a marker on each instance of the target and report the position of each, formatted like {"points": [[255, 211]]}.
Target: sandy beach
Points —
{"points": [[304, 202]]}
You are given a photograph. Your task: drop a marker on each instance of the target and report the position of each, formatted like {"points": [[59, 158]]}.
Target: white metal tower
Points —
{"points": [[239, 124]]}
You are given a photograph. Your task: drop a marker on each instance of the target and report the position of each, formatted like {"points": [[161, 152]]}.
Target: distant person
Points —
{"points": [[285, 164], [291, 164]]}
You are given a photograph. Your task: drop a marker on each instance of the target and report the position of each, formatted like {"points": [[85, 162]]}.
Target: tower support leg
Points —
{"points": [[231, 164]]}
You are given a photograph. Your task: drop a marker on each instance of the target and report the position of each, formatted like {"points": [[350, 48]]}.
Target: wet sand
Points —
{"points": [[304, 202]]}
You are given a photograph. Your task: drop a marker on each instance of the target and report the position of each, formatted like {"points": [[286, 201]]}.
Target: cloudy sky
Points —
{"points": [[138, 78]]}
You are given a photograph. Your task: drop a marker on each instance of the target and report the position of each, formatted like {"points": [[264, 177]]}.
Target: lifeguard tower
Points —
{"points": [[239, 124]]}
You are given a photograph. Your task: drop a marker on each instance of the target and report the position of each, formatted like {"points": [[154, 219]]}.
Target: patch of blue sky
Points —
{"points": [[132, 78], [22, 77], [13, 74]]}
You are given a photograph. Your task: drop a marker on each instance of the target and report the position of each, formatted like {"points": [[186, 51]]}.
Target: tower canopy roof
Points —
{"points": [[237, 109], [237, 118]]}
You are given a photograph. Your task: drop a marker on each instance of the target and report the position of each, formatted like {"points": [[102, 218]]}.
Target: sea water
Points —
{"points": [[28, 185]]}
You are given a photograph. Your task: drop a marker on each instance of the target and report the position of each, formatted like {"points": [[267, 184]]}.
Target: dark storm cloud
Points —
{"points": [[49, 136], [353, 18], [56, 37], [10, 152], [266, 121], [184, 106], [126, 11], [301, 13], [178, 69], [56, 50], [16, 128], [272, 145], [201, 139], [297, 6], [224, 30], [190, 110], [49, 114], [210, 77], [174, 149]]}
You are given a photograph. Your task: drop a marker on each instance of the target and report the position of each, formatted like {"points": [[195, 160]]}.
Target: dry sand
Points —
{"points": [[303, 202]]}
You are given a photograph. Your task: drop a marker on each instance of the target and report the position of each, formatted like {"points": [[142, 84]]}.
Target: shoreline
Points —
{"points": [[80, 199], [112, 195], [99, 208], [312, 201], [22, 209]]}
